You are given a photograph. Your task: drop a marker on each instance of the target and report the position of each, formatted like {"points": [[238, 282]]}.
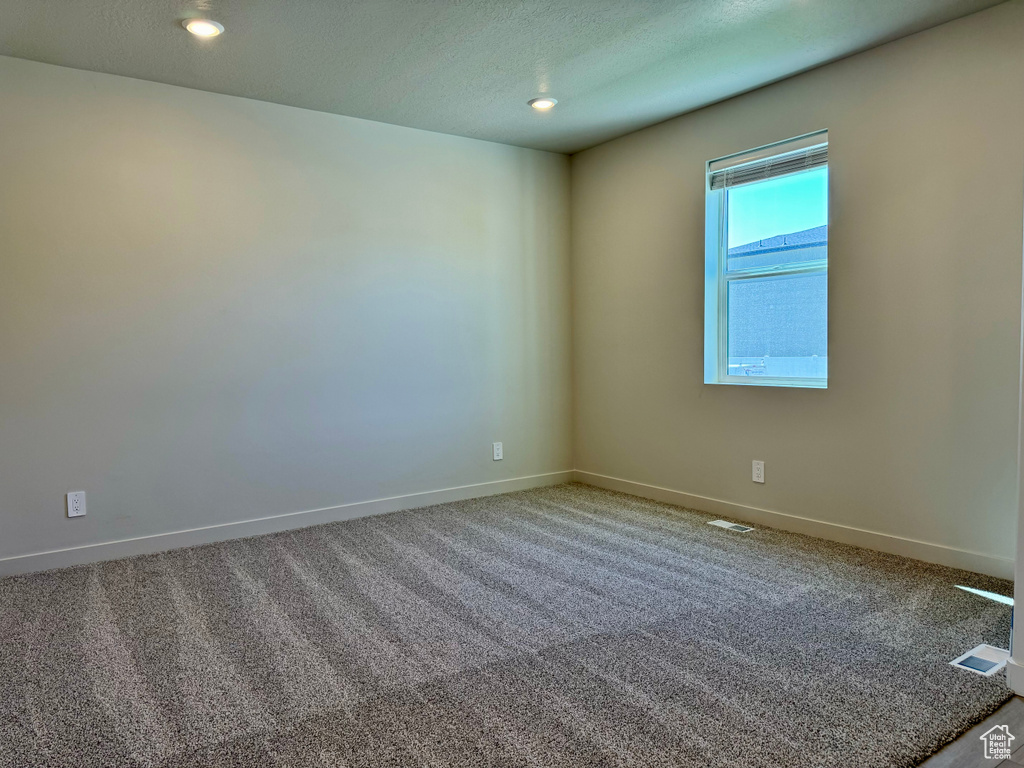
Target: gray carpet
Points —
{"points": [[564, 626]]}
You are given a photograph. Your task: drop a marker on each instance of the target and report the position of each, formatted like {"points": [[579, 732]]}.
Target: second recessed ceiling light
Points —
{"points": [[543, 104], [203, 27]]}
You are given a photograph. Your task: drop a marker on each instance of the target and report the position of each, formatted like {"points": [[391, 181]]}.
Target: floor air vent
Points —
{"points": [[984, 660], [730, 526]]}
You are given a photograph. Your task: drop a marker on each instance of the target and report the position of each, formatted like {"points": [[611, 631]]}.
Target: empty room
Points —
{"points": [[570, 384]]}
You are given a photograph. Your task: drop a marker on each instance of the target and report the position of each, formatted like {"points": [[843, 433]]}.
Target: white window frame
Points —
{"points": [[717, 277]]}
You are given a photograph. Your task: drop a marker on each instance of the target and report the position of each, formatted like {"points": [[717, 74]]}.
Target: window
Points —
{"points": [[766, 266]]}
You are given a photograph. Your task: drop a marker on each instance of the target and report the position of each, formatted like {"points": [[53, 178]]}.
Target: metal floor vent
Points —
{"points": [[730, 526], [984, 660]]}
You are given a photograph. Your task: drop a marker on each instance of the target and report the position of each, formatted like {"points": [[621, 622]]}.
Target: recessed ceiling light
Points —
{"points": [[203, 27], [543, 104]]}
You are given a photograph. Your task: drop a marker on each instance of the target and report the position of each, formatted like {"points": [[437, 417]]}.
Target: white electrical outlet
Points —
{"points": [[497, 451], [758, 471], [76, 503]]}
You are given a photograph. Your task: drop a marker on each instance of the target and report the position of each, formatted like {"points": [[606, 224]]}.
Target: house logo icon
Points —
{"points": [[997, 742]]}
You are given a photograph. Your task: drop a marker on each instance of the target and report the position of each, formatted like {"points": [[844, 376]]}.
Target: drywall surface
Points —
{"points": [[916, 435], [214, 309], [468, 66]]}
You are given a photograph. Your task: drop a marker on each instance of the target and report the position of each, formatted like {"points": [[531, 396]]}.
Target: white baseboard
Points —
{"points": [[161, 542], [990, 565], [111, 550]]}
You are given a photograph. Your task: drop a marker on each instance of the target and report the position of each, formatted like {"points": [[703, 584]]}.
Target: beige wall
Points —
{"points": [[916, 435], [215, 309]]}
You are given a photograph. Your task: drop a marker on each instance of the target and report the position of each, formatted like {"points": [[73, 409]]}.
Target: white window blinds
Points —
{"points": [[769, 167]]}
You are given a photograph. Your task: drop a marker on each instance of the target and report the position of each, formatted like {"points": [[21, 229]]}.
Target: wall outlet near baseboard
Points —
{"points": [[76, 503], [758, 475], [497, 450]]}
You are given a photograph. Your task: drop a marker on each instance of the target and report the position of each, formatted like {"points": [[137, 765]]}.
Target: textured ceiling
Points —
{"points": [[468, 67]]}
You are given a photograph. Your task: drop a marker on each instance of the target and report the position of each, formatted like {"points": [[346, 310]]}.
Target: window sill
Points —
{"points": [[765, 381]]}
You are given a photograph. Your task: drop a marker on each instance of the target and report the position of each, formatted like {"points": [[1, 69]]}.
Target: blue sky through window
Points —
{"points": [[778, 206]]}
